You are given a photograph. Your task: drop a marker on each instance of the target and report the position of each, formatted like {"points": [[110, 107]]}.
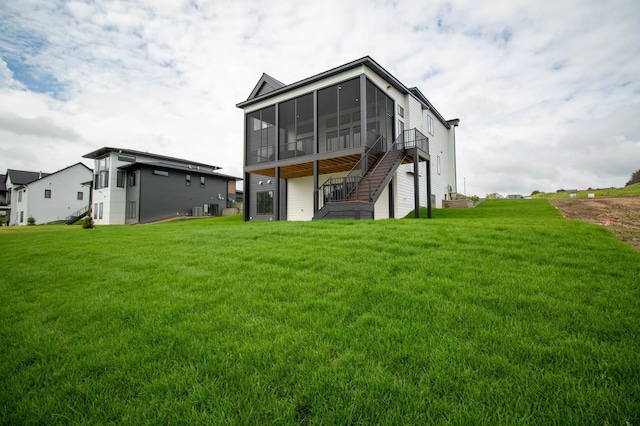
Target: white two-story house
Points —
{"points": [[47, 197], [351, 142]]}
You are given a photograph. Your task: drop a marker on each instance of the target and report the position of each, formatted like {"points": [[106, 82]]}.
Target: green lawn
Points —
{"points": [[502, 314]]}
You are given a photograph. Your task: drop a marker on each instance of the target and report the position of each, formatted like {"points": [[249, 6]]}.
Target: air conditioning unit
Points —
{"points": [[197, 211], [206, 209]]}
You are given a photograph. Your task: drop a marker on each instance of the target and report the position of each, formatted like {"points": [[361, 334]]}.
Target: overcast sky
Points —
{"points": [[547, 91]]}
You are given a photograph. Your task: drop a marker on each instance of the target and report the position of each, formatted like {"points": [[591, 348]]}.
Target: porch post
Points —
{"points": [[276, 198], [315, 187], [416, 183], [428, 188], [246, 197], [392, 197]]}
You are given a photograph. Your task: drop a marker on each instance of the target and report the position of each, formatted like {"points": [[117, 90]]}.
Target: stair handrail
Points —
{"points": [[414, 138], [351, 175], [399, 140], [77, 214]]}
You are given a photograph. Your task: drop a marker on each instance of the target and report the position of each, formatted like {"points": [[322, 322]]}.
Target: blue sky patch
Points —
{"points": [[35, 80]]}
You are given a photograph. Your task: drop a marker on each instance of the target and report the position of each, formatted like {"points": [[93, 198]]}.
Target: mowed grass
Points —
{"points": [[502, 314]]}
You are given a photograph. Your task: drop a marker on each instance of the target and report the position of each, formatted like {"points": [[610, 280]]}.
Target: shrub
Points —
{"points": [[88, 221], [31, 221]]}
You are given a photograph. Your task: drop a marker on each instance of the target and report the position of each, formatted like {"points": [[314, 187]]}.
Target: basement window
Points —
{"points": [[265, 202]]}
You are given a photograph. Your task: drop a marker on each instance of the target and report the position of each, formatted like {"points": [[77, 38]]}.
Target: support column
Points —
{"points": [[428, 189], [416, 183], [392, 197], [246, 197], [276, 196], [315, 187]]}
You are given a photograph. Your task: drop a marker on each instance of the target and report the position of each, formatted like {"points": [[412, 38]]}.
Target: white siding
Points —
{"points": [[414, 115], [64, 186], [381, 208], [441, 149], [404, 188], [113, 199], [300, 196]]}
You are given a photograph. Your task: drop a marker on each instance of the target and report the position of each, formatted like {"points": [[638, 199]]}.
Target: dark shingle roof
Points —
{"points": [[3, 185], [21, 177]]}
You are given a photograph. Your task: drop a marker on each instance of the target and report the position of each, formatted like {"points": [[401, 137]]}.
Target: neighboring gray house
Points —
{"points": [[350, 142], [4, 208], [47, 197], [133, 187]]}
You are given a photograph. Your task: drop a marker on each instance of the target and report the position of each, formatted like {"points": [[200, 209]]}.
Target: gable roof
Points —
{"points": [[265, 85], [3, 184], [21, 177], [257, 95], [106, 150], [25, 178]]}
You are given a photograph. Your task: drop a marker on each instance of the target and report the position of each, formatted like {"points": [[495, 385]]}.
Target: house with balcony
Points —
{"points": [[47, 197], [350, 142], [131, 187]]}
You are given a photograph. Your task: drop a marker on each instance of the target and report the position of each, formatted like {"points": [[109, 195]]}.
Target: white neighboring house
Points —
{"points": [[47, 197]]}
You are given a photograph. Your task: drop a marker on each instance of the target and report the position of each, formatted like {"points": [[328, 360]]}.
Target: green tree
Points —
{"points": [[635, 178]]}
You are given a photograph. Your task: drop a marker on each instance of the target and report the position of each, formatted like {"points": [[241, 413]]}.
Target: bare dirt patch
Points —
{"points": [[620, 214]]}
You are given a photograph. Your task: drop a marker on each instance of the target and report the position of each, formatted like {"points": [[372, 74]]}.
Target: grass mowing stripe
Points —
{"points": [[506, 313]]}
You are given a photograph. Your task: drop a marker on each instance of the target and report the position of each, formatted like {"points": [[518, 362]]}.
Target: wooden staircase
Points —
{"points": [[375, 180]]}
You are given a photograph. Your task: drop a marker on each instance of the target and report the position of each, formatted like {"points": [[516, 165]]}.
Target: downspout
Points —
{"points": [[455, 161]]}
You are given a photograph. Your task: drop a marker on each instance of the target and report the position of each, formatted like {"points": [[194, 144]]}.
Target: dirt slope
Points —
{"points": [[620, 214]]}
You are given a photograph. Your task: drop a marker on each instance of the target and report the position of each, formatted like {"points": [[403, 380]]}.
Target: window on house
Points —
{"points": [[132, 209], [102, 180], [132, 179], [21, 216], [265, 202], [95, 211], [400, 128], [20, 196], [187, 180], [201, 181], [120, 178], [400, 111], [80, 195], [47, 193], [100, 211], [160, 173], [438, 166], [430, 124]]}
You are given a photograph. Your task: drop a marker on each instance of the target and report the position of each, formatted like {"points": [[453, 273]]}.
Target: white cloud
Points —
{"points": [[547, 91]]}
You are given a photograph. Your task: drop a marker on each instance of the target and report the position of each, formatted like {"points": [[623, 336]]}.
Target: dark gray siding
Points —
{"points": [[162, 197], [133, 195], [253, 186]]}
